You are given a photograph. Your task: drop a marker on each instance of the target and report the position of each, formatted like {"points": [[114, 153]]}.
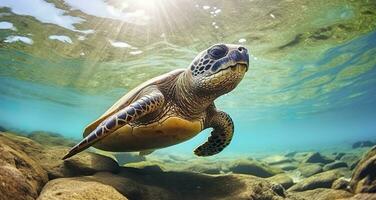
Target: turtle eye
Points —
{"points": [[218, 51]]}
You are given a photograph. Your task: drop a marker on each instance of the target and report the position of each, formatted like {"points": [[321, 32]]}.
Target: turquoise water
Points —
{"points": [[298, 94]]}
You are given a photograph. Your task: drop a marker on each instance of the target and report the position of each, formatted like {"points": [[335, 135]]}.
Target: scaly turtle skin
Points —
{"points": [[173, 107]]}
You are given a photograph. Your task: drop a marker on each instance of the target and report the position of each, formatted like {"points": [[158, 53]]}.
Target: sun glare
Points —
{"points": [[149, 4]]}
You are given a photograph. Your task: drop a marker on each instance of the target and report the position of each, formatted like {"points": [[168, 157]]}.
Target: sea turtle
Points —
{"points": [[173, 107]]}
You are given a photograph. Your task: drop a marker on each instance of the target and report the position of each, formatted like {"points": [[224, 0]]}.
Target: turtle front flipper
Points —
{"points": [[144, 105], [223, 129]]}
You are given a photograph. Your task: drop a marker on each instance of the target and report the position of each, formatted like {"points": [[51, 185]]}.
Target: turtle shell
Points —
{"points": [[130, 97]]}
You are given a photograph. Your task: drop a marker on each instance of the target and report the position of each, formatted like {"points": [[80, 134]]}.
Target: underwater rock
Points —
{"points": [[20, 176], [51, 139], [213, 168], [351, 160], [2, 129], [85, 163], [338, 155], [363, 179], [49, 158], [277, 159], [291, 154], [341, 184], [30, 147], [210, 166], [317, 158], [281, 162], [140, 184], [282, 179], [14, 184], [301, 156], [78, 189], [147, 166], [134, 184], [199, 166], [334, 165], [287, 166], [155, 168], [254, 168], [321, 180], [308, 170], [361, 196], [324, 194], [124, 158], [361, 144]]}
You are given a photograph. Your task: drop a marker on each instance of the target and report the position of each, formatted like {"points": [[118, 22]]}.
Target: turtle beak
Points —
{"points": [[240, 56]]}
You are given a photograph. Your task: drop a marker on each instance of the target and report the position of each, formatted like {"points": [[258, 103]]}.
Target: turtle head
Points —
{"points": [[219, 69]]}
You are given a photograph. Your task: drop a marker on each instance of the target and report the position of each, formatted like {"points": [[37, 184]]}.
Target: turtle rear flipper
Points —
{"points": [[146, 152], [146, 104]]}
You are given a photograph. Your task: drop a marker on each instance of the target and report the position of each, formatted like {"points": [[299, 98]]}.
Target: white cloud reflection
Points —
{"points": [[16, 38], [46, 12], [61, 38], [7, 25], [100, 8], [135, 52], [120, 44], [42, 11]]}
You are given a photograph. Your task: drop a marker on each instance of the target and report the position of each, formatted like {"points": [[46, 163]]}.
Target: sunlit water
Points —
{"points": [[311, 84]]}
